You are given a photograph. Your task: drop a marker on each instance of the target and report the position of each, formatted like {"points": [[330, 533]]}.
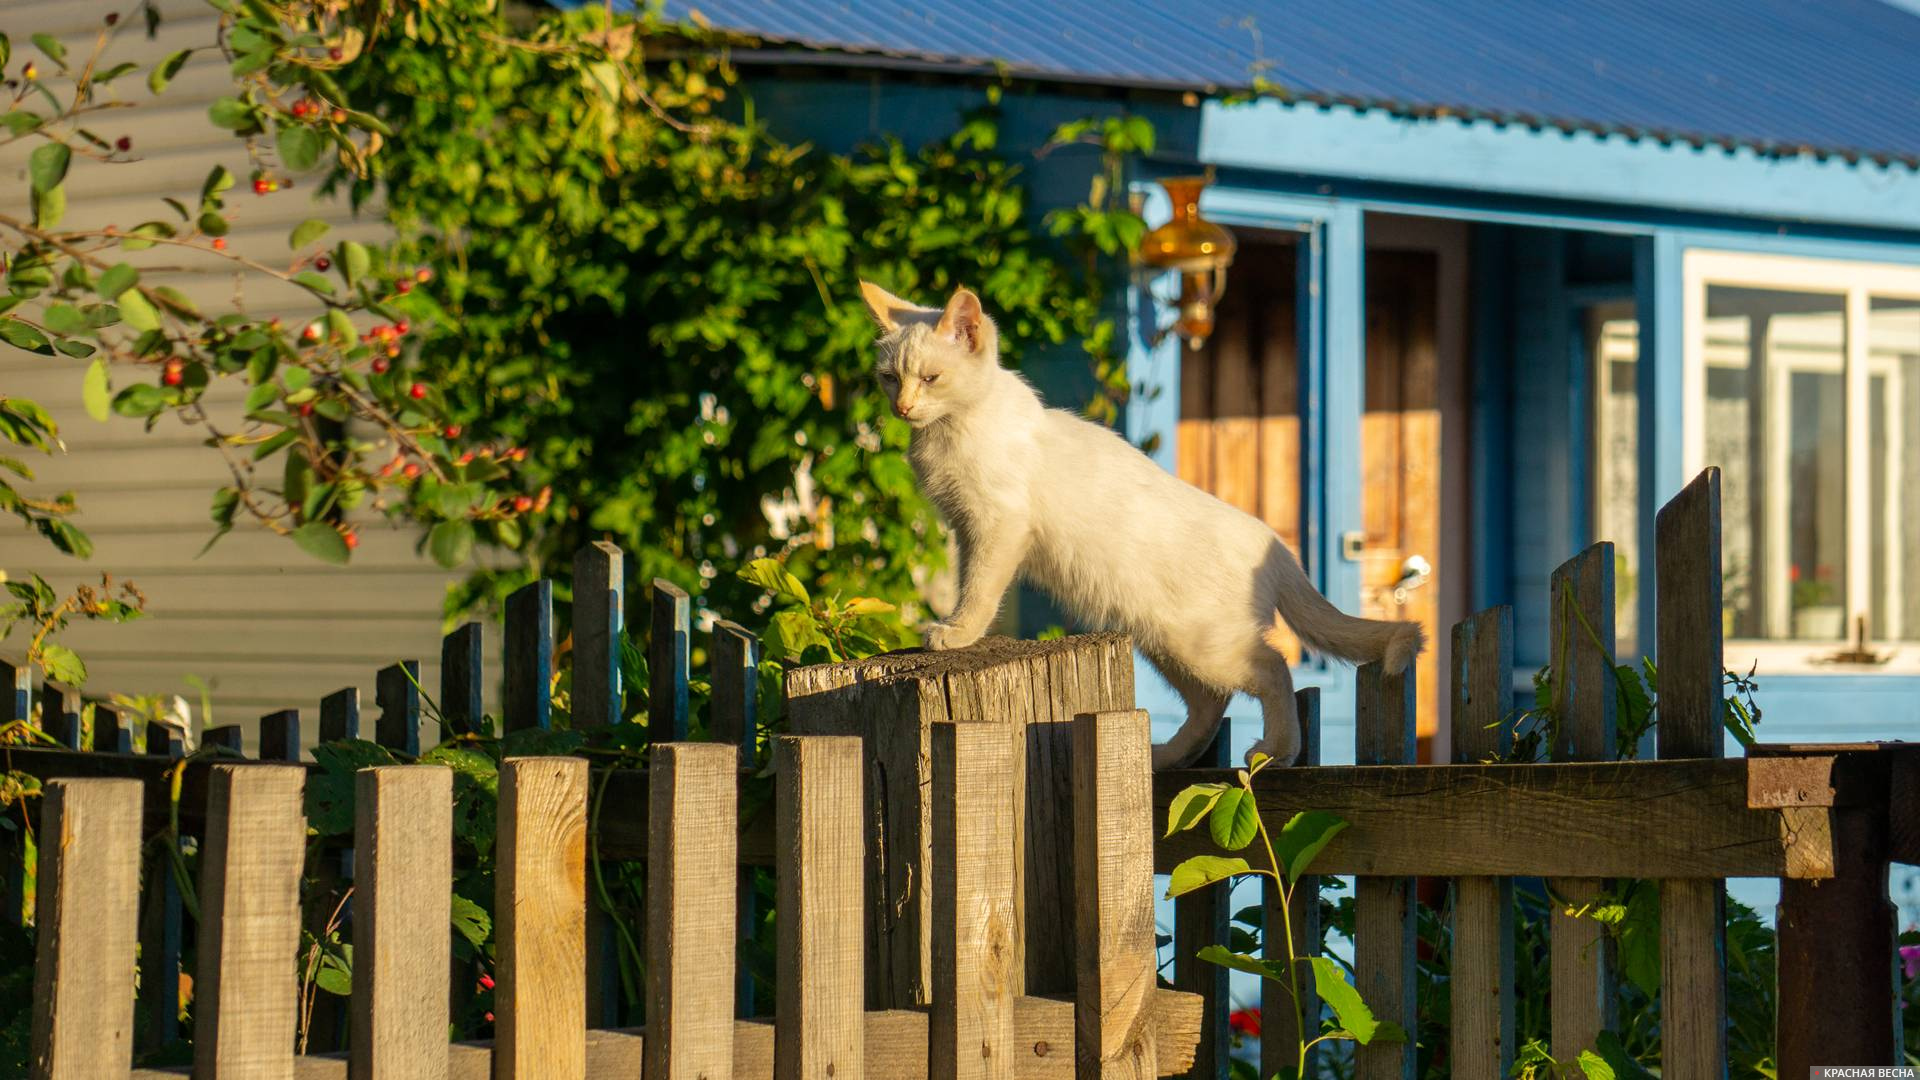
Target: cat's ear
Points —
{"points": [[886, 308], [963, 321]]}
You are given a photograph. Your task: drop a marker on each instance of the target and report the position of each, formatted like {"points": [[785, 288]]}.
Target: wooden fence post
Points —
{"points": [[599, 613], [693, 816], [396, 691], [161, 921], [1693, 959], [462, 696], [1481, 982], [1278, 1034], [163, 740], [60, 709], [226, 737], [16, 704], [667, 660], [821, 1000], [340, 715], [245, 999], [403, 851], [1585, 695], [86, 916], [975, 973], [1113, 830], [734, 716], [1383, 907], [539, 911], [528, 687], [279, 736], [1200, 919], [111, 735]]}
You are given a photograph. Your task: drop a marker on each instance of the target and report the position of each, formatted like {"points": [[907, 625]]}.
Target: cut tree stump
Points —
{"points": [[1034, 689]]}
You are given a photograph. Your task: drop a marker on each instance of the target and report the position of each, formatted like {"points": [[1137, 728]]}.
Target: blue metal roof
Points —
{"points": [[1780, 76]]}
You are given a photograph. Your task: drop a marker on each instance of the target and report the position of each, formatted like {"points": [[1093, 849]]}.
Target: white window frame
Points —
{"points": [[1858, 282]]}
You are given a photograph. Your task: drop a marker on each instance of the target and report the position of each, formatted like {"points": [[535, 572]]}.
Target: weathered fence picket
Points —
{"points": [[693, 819], [396, 692], [540, 912], [403, 851], [1383, 907], [820, 1002], [1201, 918], [526, 688], [1481, 982], [87, 914], [667, 660], [977, 954], [461, 692], [1114, 1034], [279, 738]]}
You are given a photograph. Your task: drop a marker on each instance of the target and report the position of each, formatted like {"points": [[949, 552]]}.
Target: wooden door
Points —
{"points": [[1400, 457]]}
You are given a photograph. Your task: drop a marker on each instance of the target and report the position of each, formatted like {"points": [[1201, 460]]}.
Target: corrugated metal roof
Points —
{"points": [[1780, 76]]}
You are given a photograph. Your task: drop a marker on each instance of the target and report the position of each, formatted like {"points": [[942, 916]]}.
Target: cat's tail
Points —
{"points": [[1326, 629]]}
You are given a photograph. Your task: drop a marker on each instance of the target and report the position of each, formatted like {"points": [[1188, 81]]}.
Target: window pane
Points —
{"points": [[1776, 425], [1613, 343], [1893, 466]]}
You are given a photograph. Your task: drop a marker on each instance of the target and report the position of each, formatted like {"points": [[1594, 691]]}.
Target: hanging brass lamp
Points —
{"points": [[1198, 250]]}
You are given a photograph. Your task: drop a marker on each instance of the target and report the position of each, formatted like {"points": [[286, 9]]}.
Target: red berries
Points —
{"points": [[336, 54], [417, 391], [219, 243], [322, 263], [351, 537], [412, 471], [380, 365], [301, 109], [112, 17], [401, 327], [174, 373], [306, 408], [423, 275], [453, 431], [339, 116], [261, 186], [311, 333], [522, 503], [123, 144], [403, 286]]}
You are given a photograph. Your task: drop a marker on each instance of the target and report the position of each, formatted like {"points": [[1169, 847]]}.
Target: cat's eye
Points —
{"points": [[930, 379], [887, 377]]}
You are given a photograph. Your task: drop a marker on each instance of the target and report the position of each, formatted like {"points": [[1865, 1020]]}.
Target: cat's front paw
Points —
{"points": [[943, 636]]}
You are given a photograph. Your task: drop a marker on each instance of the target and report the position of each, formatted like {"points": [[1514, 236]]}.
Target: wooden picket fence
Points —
{"points": [[964, 847]]}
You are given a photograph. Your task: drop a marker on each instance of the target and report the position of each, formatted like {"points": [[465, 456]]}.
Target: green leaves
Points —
{"points": [[471, 921], [136, 312], [1355, 1020], [322, 541], [1252, 965], [95, 392], [450, 542], [164, 71], [306, 233], [1191, 805], [1302, 838], [1203, 870], [1235, 820], [55, 51], [769, 574], [355, 260], [299, 147], [140, 400], [233, 114], [47, 166], [116, 280], [62, 664], [23, 335]]}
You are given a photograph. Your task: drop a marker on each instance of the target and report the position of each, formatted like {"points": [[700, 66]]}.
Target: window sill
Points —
{"points": [[1811, 658]]}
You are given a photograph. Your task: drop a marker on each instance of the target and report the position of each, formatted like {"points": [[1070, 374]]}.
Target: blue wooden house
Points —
{"points": [[1510, 272]]}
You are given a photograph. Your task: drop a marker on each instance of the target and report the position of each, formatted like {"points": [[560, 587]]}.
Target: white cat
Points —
{"points": [[1118, 542]]}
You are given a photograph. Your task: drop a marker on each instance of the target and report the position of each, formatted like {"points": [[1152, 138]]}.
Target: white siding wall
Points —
{"points": [[268, 626]]}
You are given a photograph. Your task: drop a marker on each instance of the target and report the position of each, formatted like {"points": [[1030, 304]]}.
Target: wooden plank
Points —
{"points": [[821, 997], [1584, 697], [396, 690], [163, 740], [111, 735], [896, 1045], [667, 659], [599, 611], [226, 737], [733, 719], [1200, 919], [16, 692], [280, 736], [60, 708], [245, 999], [1383, 907], [976, 964], [16, 705], [1280, 1027], [540, 997], [86, 918], [462, 693], [1693, 960], [403, 870], [162, 917], [1114, 1038], [340, 715], [691, 923], [527, 690], [1481, 981]]}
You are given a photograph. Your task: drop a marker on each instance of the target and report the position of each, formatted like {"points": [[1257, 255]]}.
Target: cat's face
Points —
{"points": [[931, 360]]}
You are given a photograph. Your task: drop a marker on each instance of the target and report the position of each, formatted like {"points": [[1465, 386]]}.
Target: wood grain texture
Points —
{"points": [[599, 615], [1033, 688], [734, 719], [540, 997], [403, 862], [1525, 820], [86, 915], [244, 996], [821, 973], [1481, 981], [1585, 698], [1113, 827], [1279, 1030], [896, 1045], [1200, 919], [340, 715], [60, 708], [976, 958], [1383, 907], [462, 660], [280, 736], [111, 733], [396, 690], [1693, 961], [691, 919], [667, 658], [527, 689]]}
